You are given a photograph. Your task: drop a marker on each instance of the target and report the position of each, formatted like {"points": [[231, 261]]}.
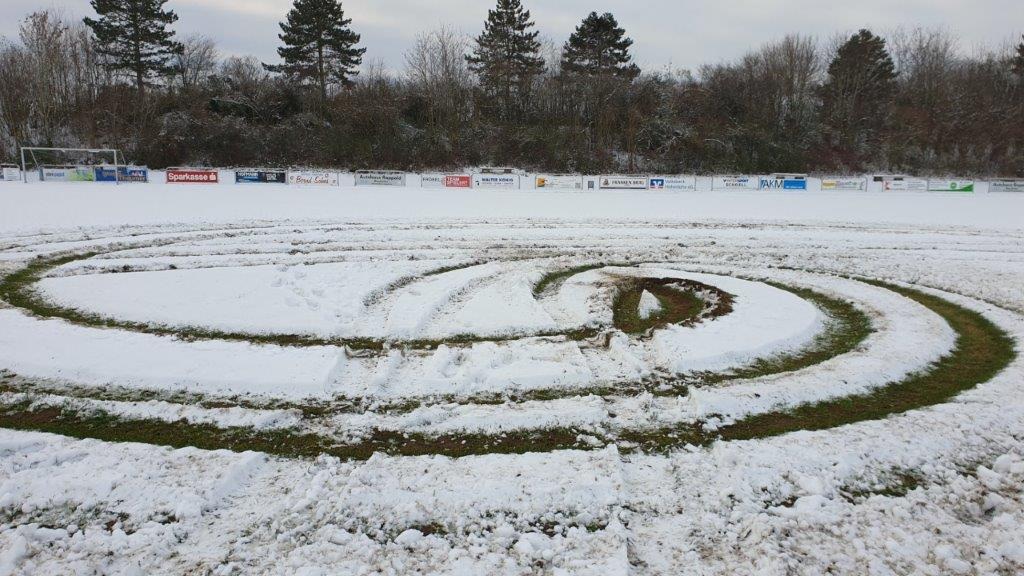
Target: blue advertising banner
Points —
{"points": [[782, 184], [260, 177], [122, 174]]}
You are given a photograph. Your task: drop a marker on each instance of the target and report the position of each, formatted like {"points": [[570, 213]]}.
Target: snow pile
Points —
{"points": [[649, 305]]}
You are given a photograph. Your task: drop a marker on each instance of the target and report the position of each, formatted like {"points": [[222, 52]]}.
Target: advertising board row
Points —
{"points": [[511, 181], [129, 174]]}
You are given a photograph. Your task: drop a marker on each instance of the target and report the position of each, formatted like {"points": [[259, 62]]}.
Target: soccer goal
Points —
{"points": [[73, 164]]}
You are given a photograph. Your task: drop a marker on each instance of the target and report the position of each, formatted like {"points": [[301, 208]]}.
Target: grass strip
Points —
{"points": [[18, 289], [982, 350]]}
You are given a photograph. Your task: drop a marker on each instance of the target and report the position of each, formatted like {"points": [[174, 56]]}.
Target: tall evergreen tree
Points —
{"points": [[507, 55], [599, 47], [1018, 61], [134, 37], [858, 94], [319, 45]]}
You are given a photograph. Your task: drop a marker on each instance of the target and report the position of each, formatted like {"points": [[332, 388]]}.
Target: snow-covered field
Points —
{"points": [[463, 319]]}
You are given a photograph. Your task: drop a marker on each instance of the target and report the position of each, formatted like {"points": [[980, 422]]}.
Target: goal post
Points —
{"points": [[41, 158]]}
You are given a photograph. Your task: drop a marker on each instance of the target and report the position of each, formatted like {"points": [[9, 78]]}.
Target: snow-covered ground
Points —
{"points": [[445, 280]]}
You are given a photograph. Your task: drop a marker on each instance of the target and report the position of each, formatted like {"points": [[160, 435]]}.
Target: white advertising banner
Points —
{"points": [[622, 183], [432, 180], [380, 178], [1006, 186], [843, 184], [906, 185], [55, 174], [951, 185], [559, 182], [504, 181], [10, 174], [734, 183], [313, 178], [672, 183]]}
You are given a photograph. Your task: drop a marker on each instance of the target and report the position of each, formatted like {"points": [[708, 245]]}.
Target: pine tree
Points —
{"points": [[1018, 61], [858, 93], [599, 47], [134, 36], [319, 45], [507, 55]]}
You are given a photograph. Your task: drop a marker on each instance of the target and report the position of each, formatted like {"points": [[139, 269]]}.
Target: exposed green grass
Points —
{"points": [[982, 350], [18, 289], [101, 426], [680, 304], [848, 328], [553, 280]]}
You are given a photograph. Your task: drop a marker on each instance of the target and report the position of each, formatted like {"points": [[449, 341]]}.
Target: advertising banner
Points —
{"points": [[504, 181], [133, 174], [906, 185], [313, 178], [843, 184], [734, 183], [53, 174], [458, 181], [431, 180], [128, 174], [558, 182], [951, 185], [772, 183], [622, 183], [10, 173], [672, 183], [1006, 186], [192, 177], [379, 178], [82, 174], [261, 177]]}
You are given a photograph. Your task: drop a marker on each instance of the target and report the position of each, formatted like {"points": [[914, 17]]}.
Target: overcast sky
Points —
{"points": [[667, 33]]}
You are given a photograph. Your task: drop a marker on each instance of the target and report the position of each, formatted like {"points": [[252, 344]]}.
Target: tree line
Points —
{"points": [[907, 101]]}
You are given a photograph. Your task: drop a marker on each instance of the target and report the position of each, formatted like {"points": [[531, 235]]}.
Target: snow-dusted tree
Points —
{"points": [[599, 47], [319, 45], [134, 37], [858, 94], [1018, 60], [506, 57]]}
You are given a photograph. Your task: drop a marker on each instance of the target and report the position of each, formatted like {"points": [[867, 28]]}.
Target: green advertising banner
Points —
{"points": [[951, 186]]}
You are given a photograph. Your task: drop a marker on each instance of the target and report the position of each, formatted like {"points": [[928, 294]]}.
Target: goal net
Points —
{"points": [[73, 164]]}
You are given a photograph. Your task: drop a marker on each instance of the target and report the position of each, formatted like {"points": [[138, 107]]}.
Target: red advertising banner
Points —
{"points": [[458, 181], [192, 177]]}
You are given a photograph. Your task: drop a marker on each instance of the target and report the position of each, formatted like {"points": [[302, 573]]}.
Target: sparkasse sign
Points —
{"points": [[192, 177]]}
